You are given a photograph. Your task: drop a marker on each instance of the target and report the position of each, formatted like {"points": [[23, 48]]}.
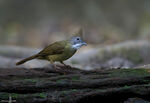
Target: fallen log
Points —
{"points": [[72, 85]]}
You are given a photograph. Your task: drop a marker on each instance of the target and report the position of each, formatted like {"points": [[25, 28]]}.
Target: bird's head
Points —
{"points": [[77, 42]]}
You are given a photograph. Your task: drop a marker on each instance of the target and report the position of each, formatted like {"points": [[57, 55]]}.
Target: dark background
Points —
{"points": [[35, 23]]}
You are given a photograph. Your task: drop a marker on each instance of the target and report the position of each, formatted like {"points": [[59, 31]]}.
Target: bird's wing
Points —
{"points": [[52, 49]]}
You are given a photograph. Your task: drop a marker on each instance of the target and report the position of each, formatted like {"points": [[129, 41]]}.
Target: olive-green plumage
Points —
{"points": [[58, 51]]}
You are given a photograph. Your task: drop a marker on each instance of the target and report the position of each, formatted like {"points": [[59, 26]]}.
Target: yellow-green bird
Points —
{"points": [[59, 51]]}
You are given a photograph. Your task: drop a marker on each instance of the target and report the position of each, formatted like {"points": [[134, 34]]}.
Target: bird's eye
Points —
{"points": [[77, 38]]}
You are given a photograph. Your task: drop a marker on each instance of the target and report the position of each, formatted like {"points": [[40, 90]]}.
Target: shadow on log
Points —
{"points": [[71, 85]]}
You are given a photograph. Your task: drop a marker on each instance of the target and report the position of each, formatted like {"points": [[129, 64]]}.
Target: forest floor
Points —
{"points": [[72, 85]]}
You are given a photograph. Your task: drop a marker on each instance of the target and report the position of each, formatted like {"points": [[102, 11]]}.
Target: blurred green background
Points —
{"points": [[36, 23]]}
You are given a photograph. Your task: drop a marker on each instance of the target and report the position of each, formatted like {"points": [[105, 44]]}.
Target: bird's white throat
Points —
{"points": [[76, 46]]}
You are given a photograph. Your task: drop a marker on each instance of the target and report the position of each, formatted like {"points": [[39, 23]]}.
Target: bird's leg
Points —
{"points": [[55, 66], [51, 61], [65, 64], [58, 69]]}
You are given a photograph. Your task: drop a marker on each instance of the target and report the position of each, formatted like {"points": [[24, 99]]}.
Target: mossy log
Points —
{"points": [[71, 85]]}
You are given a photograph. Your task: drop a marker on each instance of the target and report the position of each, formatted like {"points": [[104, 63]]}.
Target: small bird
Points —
{"points": [[59, 51]]}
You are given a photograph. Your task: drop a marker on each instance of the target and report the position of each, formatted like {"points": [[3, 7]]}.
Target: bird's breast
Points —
{"points": [[67, 53]]}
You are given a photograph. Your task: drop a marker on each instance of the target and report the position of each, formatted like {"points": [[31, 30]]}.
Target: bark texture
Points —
{"points": [[71, 85]]}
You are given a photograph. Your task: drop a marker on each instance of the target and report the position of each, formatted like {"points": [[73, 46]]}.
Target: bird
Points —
{"points": [[59, 51]]}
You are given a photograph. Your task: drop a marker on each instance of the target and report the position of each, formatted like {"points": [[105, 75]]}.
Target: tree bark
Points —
{"points": [[71, 85]]}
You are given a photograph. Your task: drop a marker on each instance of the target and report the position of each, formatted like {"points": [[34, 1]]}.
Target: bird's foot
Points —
{"points": [[68, 66], [60, 69], [57, 68]]}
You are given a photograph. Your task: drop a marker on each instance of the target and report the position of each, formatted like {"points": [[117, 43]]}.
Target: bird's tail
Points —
{"points": [[26, 59]]}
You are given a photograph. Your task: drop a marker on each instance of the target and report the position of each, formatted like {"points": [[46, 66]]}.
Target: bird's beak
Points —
{"points": [[84, 43]]}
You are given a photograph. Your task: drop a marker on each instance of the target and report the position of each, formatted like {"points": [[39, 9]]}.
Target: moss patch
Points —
{"points": [[5, 96], [75, 78], [30, 80], [129, 73], [40, 95]]}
